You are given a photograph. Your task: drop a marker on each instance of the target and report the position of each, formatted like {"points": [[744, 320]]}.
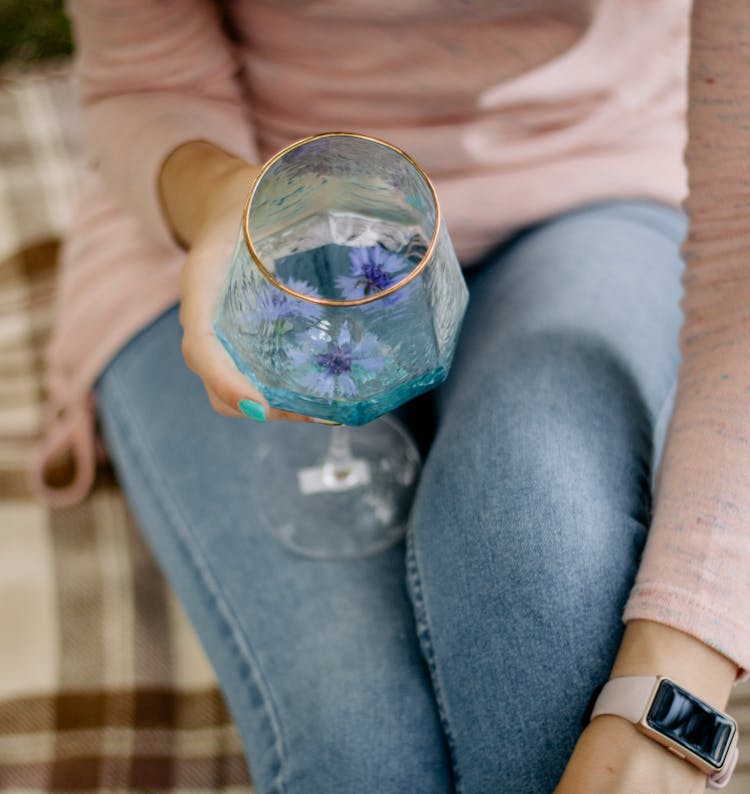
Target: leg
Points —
{"points": [[534, 504], [318, 661]]}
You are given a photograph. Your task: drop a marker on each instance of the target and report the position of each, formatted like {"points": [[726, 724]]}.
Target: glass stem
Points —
{"points": [[339, 457], [340, 470]]}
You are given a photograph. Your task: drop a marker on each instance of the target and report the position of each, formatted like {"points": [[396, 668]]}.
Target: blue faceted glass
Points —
{"points": [[345, 297]]}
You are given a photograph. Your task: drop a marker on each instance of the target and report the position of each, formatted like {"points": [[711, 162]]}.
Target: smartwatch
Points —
{"points": [[677, 719]]}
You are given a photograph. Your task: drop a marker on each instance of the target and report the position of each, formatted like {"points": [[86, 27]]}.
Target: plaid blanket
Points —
{"points": [[103, 685]]}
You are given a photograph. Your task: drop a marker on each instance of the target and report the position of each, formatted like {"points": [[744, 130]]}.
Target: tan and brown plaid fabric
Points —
{"points": [[103, 685]]}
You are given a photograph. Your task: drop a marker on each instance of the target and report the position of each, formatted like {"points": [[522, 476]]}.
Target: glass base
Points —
{"points": [[333, 511]]}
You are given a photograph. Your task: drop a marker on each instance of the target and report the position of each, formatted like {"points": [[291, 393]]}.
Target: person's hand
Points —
{"points": [[613, 757], [203, 193]]}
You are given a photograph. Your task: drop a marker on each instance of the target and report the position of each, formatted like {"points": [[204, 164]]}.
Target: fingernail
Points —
{"points": [[252, 410], [323, 421]]}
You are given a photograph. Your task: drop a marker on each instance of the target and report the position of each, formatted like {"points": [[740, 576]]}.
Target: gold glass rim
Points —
{"points": [[418, 268]]}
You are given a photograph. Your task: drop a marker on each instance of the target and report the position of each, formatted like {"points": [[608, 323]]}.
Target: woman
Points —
{"points": [[554, 133]]}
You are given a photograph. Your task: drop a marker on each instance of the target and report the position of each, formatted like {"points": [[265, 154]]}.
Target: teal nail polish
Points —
{"points": [[253, 410]]}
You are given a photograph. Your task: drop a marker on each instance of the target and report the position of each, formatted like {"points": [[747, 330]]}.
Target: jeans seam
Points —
{"points": [[414, 586], [216, 599]]}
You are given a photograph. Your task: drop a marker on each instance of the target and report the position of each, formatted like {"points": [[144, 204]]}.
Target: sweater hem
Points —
{"points": [[679, 609]]}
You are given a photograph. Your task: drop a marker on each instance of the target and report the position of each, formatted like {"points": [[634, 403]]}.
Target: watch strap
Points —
{"points": [[625, 697], [720, 779], [629, 696]]}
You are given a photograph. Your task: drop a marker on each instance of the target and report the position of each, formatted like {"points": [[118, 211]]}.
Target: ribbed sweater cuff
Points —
{"points": [[679, 609]]}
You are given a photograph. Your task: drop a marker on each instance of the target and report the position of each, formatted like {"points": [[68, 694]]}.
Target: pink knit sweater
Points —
{"points": [[518, 109]]}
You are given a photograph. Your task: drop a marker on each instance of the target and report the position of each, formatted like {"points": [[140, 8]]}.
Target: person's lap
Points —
{"points": [[524, 538]]}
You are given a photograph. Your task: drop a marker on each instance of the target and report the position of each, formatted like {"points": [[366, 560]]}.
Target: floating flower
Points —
{"points": [[333, 363], [373, 269], [273, 305]]}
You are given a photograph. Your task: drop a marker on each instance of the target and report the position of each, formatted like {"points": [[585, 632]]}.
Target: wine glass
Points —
{"points": [[344, 300]]}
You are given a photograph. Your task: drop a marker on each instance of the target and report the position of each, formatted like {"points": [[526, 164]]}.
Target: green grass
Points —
{"points": [[33, 30]]}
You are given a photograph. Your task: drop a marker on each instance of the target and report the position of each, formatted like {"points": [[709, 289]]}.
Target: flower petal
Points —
{"points": [[345, 336], [319, 383], [393, 263], [349, 287], [297, 356], [368, 344], [347, 385], [358, 258]]}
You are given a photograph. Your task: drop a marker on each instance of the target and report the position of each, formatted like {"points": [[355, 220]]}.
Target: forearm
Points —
{"points": [[188, 184], [696, 566], [653, 649], [695, 569], [649, 647]]}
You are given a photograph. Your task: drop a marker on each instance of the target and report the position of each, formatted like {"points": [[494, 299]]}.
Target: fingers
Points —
{"points": [[225, 385], [201, 283], [204, 274]]}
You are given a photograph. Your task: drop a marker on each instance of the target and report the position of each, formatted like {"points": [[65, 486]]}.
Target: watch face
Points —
{"points": [[691, 723]]}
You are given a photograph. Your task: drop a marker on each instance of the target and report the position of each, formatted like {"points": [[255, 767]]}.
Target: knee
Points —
{"points": [[539, 479], [556, 414]]}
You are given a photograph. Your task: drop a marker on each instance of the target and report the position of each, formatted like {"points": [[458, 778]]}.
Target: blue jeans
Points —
{"points": [[463, 660]]}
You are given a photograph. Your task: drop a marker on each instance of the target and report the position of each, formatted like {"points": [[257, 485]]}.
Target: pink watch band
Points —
{"points": [[625, 697], [629, 696]]}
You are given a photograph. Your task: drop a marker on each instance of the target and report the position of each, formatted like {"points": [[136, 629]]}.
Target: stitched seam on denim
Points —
{"points": [[425, 641], [239, 641]]}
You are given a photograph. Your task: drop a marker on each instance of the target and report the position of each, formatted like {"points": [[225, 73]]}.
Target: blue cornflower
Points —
{"points": [[334, 362], [373, 269], [273, 304]]}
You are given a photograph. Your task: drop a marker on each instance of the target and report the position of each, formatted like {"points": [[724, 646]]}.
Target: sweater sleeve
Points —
{"points": [[154, 74], [695, 571]]}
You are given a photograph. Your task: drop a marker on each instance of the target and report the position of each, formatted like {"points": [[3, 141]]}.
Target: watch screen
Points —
{"points": [[691, 723]]}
